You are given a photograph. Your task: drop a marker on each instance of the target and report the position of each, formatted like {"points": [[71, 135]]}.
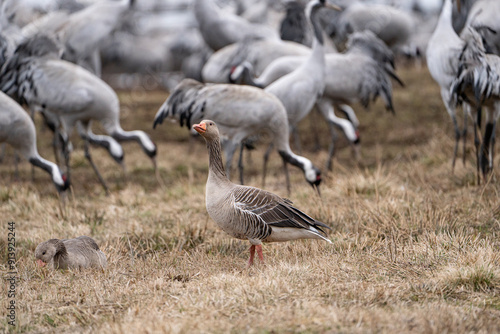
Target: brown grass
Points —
{"points": [[415, 248]]}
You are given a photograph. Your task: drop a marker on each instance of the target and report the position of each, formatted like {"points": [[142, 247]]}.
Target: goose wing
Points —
{"points": [[82, 243], [272, 210]]}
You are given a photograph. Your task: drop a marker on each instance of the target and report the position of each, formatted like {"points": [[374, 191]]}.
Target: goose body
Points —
{"points": [[250, 213], [81, 252]]}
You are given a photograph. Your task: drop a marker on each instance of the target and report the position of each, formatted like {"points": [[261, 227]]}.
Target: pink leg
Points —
{"points": [[252, 253], [259, 253]]}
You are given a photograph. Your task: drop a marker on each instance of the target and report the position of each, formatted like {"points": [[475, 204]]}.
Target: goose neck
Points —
{"points": [[216, 167]]}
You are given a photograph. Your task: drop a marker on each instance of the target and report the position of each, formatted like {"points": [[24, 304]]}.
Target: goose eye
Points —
{"points": [[43, 253]]}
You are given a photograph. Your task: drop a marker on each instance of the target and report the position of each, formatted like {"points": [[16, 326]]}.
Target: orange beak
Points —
{"points": [[200, 128], [41, 263]]}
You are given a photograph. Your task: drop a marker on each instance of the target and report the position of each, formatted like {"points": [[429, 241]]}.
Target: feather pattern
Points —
{"points": [[478, 78], [250, 213], [81, 252], [240, 112]]}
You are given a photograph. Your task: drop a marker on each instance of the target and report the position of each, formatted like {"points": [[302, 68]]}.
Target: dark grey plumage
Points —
{"points": [[377, 82], [16, 76], [294, 25]]}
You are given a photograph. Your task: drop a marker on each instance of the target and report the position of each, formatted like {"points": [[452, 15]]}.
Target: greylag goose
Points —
{"points": [[251, 213], [81, 252]]}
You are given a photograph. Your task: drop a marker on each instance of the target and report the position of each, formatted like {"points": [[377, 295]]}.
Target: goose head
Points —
{"points": [[46, 251], [207, 129]]}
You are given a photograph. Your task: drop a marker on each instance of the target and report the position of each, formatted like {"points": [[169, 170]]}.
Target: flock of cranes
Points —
{"points": [[239, 73]]}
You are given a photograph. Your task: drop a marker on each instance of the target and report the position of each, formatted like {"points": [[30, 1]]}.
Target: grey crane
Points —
{"points": [[486, 13], [390, 24], [300, 89], [260, 53], [360, 74], [240, 111], [220, 29], [35, 76], [478, 84], [17, 130], [250, 213], [83, 32], [443, 54]]}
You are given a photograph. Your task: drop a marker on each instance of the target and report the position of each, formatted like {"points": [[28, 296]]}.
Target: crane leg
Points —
{"points": [[2, 154], [66, 152], [315, 132], [487, 148], [464, 138], [457, 140], [331, 149], [266, 159], [89, 158], [451, 109], [296, 139], [16, 166], [240, 163], [476, 144], [287, 177], [229, 149]]}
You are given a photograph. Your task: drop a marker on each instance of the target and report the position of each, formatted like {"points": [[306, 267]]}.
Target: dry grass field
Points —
{"points": [[415, 248]]}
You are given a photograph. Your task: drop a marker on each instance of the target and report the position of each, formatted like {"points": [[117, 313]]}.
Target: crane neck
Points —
{"points": [[50, 168], [205, 10], [445, 18], [137, 135], [318, 32]]}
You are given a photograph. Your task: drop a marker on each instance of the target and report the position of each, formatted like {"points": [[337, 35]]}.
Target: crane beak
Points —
{"points": [[334, 7], [316, 188], [200, 128]]}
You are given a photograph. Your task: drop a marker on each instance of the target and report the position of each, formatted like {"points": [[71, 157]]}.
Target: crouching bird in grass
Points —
{"points": [[251, 213], [81, 252]]}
